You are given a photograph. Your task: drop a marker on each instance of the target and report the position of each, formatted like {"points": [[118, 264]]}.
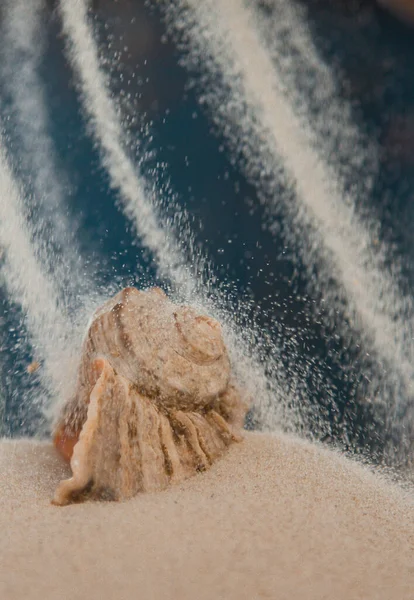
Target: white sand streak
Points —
{"points": [[313, 92], [30, 287], [22, 52], [135, 202], [222, 39]]}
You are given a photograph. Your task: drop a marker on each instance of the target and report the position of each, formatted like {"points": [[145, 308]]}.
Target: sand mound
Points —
{"points": [[276, 518]]}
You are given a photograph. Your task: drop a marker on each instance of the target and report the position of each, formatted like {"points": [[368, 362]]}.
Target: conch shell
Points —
{"points": [[154, 401]]}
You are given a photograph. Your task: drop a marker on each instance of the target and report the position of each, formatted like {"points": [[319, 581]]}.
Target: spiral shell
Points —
{"points": [[154, 400]]}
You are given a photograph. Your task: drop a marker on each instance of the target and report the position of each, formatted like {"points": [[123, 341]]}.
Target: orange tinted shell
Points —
{"points": [[65, 443]]}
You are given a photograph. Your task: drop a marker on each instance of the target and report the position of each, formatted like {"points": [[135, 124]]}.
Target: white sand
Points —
{"points": [[276, 518]]}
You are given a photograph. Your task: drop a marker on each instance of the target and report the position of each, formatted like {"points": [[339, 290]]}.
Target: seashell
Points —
{"points": [[154, 400]]}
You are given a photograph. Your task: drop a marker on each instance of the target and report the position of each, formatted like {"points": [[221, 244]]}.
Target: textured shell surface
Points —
{"points": [[154, 400]]}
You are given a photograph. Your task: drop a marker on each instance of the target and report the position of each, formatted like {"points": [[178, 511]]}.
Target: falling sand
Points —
{"points": [[275, 518]]}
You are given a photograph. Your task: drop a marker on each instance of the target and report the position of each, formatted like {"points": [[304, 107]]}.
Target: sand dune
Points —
{"points": [[276, 518]]}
